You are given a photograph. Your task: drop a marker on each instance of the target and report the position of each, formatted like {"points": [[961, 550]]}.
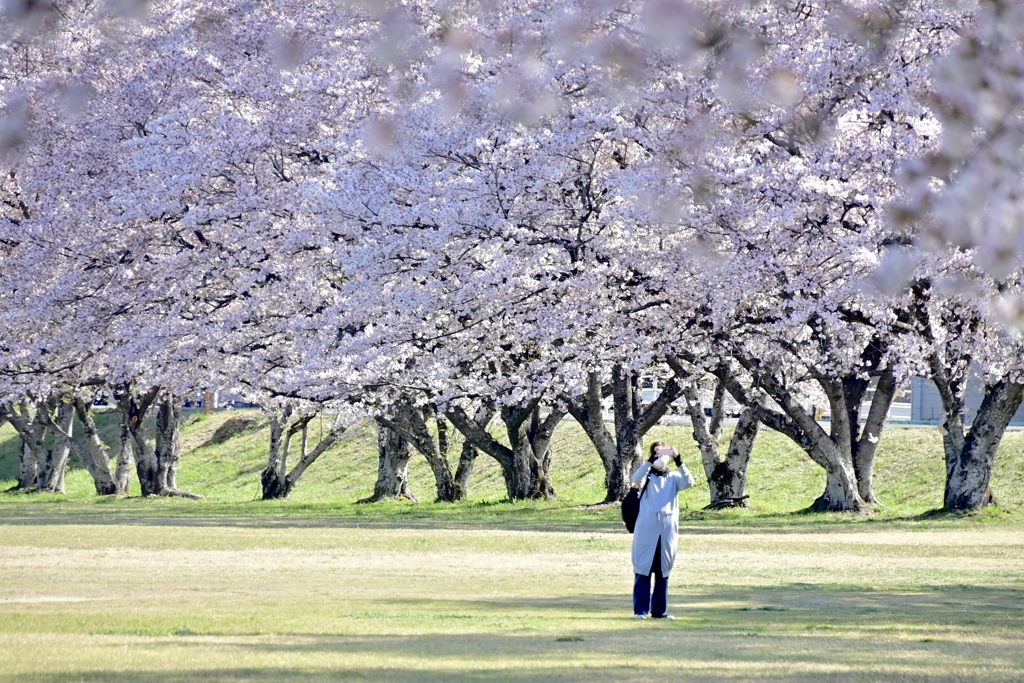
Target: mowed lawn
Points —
{"points": [[310, 599]]}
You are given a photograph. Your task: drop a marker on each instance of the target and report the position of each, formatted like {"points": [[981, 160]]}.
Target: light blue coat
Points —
{"points": [[658, 518]]}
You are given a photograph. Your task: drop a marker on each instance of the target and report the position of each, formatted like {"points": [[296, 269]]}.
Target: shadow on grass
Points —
{"points": [[627, 654], [638, 651], [991, 512], [492, 517], [314, 522], [932, 613], [798, 632]]}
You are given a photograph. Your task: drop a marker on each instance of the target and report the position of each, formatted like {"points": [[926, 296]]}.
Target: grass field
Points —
{"points": [[251, 600], [318, 588]]}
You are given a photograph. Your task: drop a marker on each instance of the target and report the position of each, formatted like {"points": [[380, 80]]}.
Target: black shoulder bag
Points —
{"points": [[631, 505]]}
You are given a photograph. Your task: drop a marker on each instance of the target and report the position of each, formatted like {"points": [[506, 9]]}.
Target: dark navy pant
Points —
{"points": [[643, 601]]}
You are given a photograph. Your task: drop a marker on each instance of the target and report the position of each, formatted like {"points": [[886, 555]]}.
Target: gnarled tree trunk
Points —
{"points": [[134, 407], [156, 466], [414, 422], [620, 453], [392, 465], [525, 463], [31, 423], [831, 451], [94, 454], [410, 421], [51, 475], [123, 471], [727, 478], [272, 480], [168, 441], [864, 441], [277, 481], [971, 456], [464, 472]]}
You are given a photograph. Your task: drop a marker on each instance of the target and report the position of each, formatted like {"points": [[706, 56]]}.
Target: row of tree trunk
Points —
{"points": [[47, 438], [846, 451]]}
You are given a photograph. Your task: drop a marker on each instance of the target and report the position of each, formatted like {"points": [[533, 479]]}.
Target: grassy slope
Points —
{"points": [[909, 477]]}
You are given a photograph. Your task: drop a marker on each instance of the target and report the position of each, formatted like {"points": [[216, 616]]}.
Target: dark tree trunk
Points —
{"points": [[626, 404], [840, 493], [435, 452], [168, 441], [392, 465], [123, 467], [831, 451], [51, 477], [277, 481], [622, 453], [32, 427], [527, 475], [412, 422], [134, 407], [33, 464], [467, 455], [273, 480], [464, 472], [969, 460], [94, 454], [727, 478], [540, 434], [865, 441], [517, 469], [146, 468], [156, 466], [526, 461], [632, 422], [969, 455], [34, 458], [337, 430]]}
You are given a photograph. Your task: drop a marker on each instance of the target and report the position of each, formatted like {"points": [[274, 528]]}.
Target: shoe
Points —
{"points": [[641, 617], [669, 617]]}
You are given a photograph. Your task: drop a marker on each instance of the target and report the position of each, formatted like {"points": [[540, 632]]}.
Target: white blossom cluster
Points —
{"points": [[454, 199]]}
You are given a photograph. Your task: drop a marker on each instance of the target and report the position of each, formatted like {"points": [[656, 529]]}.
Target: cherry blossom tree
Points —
{"points": [[452, 211], [962, 339], [961, 211], [789, 191]]}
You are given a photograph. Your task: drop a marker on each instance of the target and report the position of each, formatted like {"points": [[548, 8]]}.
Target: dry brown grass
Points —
{"points": [[177, 601]]}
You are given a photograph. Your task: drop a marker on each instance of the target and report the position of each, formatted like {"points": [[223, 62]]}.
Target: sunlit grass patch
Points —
{"points": [[170, 600]]}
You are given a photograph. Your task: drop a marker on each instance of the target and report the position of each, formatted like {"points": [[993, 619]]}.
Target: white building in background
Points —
{"points": [[650, 388], [926, 404]]}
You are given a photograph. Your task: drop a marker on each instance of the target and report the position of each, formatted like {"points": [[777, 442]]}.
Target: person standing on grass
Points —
{"points": [[656, 535]]}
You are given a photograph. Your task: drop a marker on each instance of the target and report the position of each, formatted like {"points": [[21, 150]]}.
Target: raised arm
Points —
{"points": [[686, 479], [641, 472]]}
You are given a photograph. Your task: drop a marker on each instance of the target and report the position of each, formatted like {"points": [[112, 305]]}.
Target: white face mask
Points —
{"points": [[661, 463]]}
